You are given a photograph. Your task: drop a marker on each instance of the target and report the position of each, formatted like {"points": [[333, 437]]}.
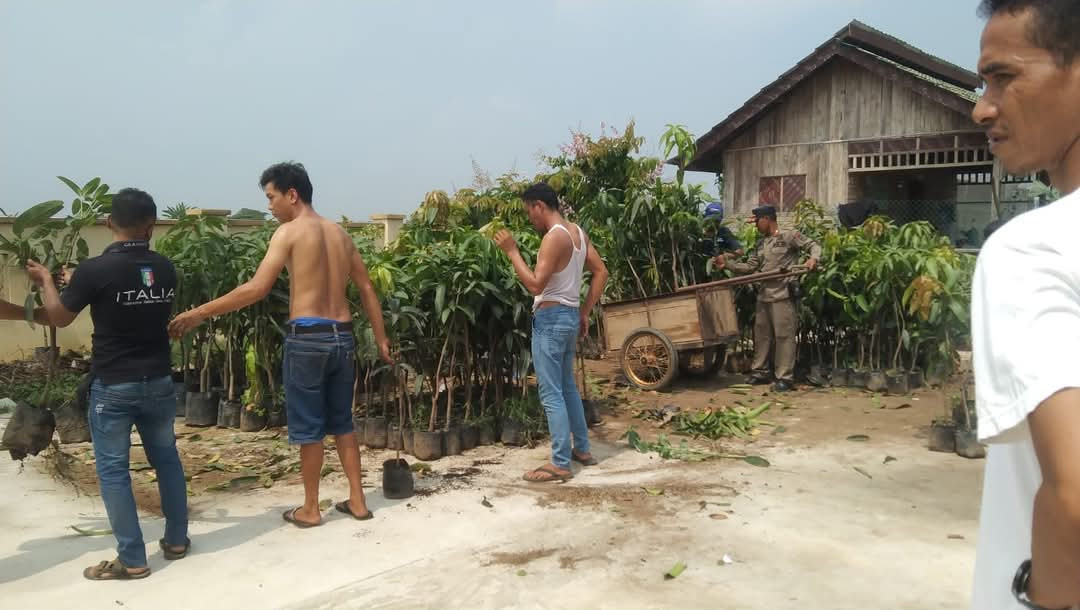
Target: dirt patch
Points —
{"points": [[803, 418], [638, 502], [215, 460], [521, 558], [567, 562], [435, 482]]}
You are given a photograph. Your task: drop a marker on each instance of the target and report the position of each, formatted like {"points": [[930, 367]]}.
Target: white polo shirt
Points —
{"points": [[1025, 330]]}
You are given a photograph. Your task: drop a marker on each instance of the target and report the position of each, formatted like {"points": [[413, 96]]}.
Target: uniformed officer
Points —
{"points": [[776, 316]]}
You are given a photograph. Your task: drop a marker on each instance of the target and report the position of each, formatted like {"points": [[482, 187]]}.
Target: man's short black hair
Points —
{"points": [[1055, 25], [288, 175], [543, 193], [132, 209]]}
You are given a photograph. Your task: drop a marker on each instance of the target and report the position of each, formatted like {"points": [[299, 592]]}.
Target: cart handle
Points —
{"points": [[749, 279]]}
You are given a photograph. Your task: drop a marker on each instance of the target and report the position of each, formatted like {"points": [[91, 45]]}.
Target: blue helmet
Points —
{"points": [[714, 211]]}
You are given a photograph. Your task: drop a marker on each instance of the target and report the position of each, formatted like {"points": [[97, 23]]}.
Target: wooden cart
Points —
{"points": [[688, 330]]}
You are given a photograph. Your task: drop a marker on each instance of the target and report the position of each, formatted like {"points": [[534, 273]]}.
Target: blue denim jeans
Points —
{"points": [[150, 406], [319, 374], [554, 345]]}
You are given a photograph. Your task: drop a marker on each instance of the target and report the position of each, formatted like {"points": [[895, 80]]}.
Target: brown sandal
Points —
{"points": [[170, 554], [113, 570], [590, 461], [553, 475]]}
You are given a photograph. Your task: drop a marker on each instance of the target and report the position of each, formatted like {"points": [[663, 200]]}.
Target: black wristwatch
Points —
{"points": [[1020, 587]]}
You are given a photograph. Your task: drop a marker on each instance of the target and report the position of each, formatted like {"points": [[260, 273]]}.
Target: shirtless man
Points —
{"points": [[319, 346]]}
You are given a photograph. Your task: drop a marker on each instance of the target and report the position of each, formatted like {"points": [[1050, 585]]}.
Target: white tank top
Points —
{"points": [[564, 287]]}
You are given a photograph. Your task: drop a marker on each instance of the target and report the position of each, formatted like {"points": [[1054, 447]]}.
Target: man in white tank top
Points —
{"points": [[558, 318]]}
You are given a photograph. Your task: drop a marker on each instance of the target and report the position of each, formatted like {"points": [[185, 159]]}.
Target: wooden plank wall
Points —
{"points": [[806, 132]]}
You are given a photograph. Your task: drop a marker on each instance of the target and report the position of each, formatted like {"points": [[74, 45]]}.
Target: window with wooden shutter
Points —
{"points": [[782, 191], [769, 191], [792, 191]]}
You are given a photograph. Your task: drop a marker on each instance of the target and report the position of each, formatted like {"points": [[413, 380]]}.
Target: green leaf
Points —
{"points": [[91, 186], [29, 305], [675, 570], [235, 483], [36, 215], [440, 298], [757, 460], [84, 531], [71, 185], [858, 438], [652, 491]]}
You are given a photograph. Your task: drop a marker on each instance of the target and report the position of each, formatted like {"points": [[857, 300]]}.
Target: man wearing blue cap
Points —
{"points": [[720, 238], [776, 316]]}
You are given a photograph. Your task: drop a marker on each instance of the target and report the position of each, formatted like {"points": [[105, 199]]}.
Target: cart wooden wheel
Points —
{"points": [[702, 362], [649, 359]]}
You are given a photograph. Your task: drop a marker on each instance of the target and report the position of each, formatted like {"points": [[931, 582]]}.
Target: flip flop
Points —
{"points": [[343, 507], [555, 476], [113, 570], [589, 462], [290, 516], [171, 554]]}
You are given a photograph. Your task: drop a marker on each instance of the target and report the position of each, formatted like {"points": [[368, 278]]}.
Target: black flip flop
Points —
{"points": [[290, 516], [343, 507], [171, 554]]}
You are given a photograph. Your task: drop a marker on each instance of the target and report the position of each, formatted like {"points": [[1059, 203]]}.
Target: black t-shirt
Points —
{"points": [[726, 240], [130, 291]]}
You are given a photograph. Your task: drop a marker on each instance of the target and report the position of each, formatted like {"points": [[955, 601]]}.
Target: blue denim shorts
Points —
{"points": [[319, 374]]}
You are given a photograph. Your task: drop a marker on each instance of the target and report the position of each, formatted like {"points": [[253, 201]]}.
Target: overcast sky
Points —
{"points": [[384, 101]]}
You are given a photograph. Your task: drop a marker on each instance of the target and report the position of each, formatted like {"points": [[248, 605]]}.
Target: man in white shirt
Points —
{"points": [[1025, 317]]}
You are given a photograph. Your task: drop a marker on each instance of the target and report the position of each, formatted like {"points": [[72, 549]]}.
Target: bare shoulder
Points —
{"points": [[284, 234], [557, 237]]}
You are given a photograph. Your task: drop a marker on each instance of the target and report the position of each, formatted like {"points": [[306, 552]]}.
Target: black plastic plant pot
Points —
{"points": [[470, 437], [427, 445], [486, 435], [375, 431], [251, 421], [513, 433], [202, 409], [897, 382], [394, 439], [942, 437], [452, 440], [397, 480], [968, 445], [29, 431]]}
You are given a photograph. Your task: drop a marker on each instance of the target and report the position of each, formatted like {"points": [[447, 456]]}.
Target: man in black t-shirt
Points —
{"points": [[130, 290]]}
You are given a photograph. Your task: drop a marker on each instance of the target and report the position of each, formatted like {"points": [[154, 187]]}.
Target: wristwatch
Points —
{"points": [[1020, 587]]}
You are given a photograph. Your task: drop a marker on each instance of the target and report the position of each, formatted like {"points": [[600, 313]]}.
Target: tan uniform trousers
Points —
{"points": [[774, 336]]}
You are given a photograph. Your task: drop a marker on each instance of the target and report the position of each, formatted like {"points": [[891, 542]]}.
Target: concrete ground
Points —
{"points": [[876, 522]]}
